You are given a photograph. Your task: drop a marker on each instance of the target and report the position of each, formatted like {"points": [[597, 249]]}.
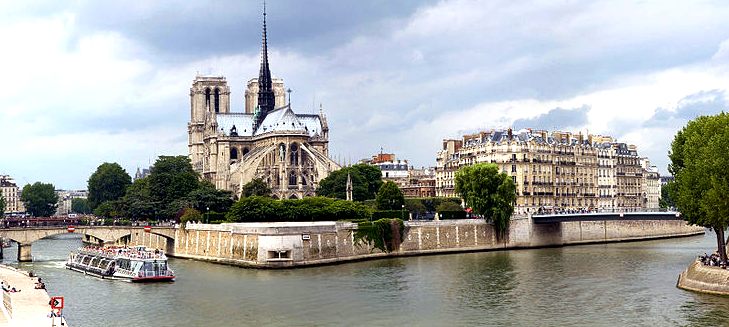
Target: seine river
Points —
{"points": [[617, 284]]}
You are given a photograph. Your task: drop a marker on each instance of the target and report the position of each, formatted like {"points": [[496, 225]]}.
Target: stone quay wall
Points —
{"points": [[282, 245], [705, 279]]}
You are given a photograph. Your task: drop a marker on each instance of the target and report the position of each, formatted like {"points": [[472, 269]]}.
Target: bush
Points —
{"points": [[371, 203], [449, 206], [383, 234], [263, 209], [190, 214]]}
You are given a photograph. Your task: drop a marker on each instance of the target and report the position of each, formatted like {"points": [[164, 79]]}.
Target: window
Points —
{"points": [[294, 154], [217, 100], [233, 154], [207, 99], [292, 179]]}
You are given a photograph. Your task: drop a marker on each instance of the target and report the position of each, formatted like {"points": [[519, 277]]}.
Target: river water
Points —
{"points": [[616, 284]]}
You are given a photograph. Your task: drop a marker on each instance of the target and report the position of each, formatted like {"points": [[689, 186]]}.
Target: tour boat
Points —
{"points": [[135, 264]]}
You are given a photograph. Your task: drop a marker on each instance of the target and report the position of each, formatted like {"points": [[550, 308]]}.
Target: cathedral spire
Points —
{"points": [[266, 99]]}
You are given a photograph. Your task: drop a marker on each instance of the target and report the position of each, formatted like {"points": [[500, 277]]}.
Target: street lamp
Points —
{"points": [[402, 212]]}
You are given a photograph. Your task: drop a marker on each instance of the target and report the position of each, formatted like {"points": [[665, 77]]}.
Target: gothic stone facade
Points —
{"points": [[288, 151]]}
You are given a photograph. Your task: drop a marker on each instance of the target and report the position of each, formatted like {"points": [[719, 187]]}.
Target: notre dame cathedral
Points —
{"points": [[288, 151]]}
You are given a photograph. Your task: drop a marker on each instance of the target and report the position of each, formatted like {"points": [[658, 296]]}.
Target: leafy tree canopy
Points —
{"points": [[415, 206], [39, 199], [190, 215], [108, 183], [80, 206], [449, 206], [366, 182], [109, 209], [207, 198], [256, 187], [699, 163], [666, 201], [389, 197], [137, 203], [488, 193], [2, 205], [171, 179]]}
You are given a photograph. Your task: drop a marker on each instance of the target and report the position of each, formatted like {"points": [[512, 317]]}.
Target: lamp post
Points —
{"points": [[402, 212]]}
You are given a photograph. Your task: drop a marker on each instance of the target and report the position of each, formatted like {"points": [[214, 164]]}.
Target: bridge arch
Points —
{"points": [[24, 237]]}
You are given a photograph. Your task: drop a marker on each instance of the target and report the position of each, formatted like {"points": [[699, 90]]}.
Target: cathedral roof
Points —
{"points": [[280, 120], [243, 123]]}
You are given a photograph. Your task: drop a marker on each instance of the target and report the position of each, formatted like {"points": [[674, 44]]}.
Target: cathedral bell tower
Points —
{"points": [[209, 96]]}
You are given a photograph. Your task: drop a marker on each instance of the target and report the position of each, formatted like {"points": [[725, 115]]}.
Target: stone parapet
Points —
{"points": [[286, 245], [705, 279]]}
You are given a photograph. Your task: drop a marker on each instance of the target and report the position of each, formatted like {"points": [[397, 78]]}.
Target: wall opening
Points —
{"points": [[207, 99], [217, 100], [279, 255]]}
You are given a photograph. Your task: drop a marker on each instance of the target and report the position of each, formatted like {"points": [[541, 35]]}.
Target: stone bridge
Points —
{"points": [[100, 234], [601, 216]]}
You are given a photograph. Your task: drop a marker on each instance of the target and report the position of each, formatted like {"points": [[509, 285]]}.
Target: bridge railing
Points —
{"points": [[551, 212]]}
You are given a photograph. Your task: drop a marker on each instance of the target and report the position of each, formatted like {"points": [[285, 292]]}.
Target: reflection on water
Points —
{"points": [[603, 285]]}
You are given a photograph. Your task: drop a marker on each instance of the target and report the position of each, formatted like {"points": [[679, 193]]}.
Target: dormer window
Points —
{"points": [[233, 131]]}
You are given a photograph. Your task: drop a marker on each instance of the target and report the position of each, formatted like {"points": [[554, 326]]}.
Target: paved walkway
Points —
{"points": [[29, 307]]}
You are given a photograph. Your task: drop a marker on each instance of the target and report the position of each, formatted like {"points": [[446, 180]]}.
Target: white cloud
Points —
{"points": [[75, 96]]}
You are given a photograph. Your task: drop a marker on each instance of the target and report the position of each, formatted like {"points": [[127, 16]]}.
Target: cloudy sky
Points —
{"points": [[86, 82]]}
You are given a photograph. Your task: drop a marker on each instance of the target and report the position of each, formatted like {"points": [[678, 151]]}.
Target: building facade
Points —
{"points": [[553, 171], [11, 193], [413, 182], [651, 184], [65, 200], [289, 151]]}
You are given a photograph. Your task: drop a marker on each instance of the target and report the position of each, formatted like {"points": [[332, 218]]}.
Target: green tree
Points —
{"points": [[666, 201], [171, 179], [2, 205], [190, 214], [366, 182], [448, 206], [108, 183], [389, 197], [39, 199], [488, 192], [699, 162], [254, 208], [137, 203], [207, 198], [81, 206], [256, 187], [415, 206], [108, 209]]}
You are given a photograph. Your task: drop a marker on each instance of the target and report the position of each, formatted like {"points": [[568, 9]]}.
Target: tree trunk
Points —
{"points": [[721, 245]]}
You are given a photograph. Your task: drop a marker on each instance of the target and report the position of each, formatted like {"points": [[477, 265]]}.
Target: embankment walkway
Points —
{"points": [[29, 307]]}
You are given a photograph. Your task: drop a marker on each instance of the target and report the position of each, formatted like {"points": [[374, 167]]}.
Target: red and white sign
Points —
{"points": [[70, 229], [56, 302], [147, 229]]}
